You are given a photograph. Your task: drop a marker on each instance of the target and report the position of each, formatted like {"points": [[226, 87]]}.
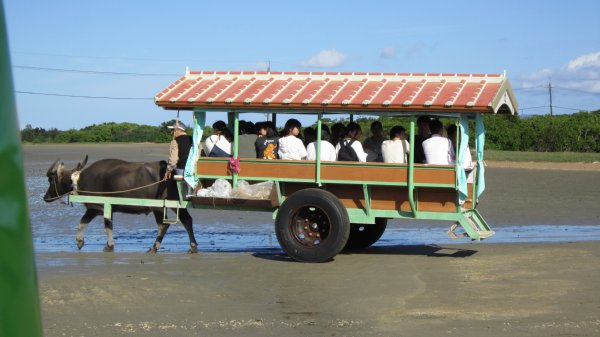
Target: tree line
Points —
{"points": [[578, 132]]}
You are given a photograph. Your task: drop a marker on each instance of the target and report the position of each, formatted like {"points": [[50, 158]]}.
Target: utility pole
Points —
{"points": [[550, 91], [269, 66]]}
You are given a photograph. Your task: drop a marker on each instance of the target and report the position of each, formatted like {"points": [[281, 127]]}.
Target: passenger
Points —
{"points": [[338, 131], [267, 141], [328, 152], [396, 149], [310, 135], [372, 144], [179, 150], [353, 132], [290, 146], [468, 162], [247, 139], [438, 150], [219, 143], [424, 134]]}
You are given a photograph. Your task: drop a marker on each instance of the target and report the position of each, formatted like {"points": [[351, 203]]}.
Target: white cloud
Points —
{"points": [[591, 60], [388, 53], [581, 73], [326, 58]]}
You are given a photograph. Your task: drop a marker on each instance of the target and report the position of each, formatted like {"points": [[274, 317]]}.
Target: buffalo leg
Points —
{"points": [[186, 220], [108, 229], [89, 215], [162, 230]]}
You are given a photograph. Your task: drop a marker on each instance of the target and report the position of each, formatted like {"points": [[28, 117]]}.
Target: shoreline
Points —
{"points": [[158, 151]]}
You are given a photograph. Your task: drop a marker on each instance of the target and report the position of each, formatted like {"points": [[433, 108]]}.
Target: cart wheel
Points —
{"points": [[312, 225], [363, 236]]}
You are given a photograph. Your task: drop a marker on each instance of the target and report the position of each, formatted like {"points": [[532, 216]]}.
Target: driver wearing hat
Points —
{"points": [[179, 150]]}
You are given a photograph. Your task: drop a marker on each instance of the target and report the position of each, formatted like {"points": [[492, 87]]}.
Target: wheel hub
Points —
{"points": [[310, 226]]}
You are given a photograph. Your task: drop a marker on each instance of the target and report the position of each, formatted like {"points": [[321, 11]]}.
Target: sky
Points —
{"points": [[116, 55]]}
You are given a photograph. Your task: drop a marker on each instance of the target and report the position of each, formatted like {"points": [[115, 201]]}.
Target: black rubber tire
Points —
{"points": [[312, 225], [363, 236]]}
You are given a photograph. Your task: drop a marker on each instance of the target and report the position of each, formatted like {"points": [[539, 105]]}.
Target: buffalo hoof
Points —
{"points": [[108, 249], [80, 244], [193, 250]]}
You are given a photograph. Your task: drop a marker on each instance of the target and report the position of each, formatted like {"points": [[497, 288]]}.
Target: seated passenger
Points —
{"points": [[218, 144], [423, 134], [397, 148], [372, 145], [267, 141], [468, 162], [328, 152], [290, 146], [247, 139], [310, 135], [352, 148], [438, 149], [338, 131]]}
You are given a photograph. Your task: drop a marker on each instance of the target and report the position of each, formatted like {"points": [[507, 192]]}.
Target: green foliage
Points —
{"points": [[579, 132], [101, 133]]}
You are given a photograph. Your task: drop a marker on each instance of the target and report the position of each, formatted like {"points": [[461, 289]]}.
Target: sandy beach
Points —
{"points": [[462, 289]]}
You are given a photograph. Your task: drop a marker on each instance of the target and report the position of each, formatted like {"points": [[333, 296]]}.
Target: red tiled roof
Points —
{"points": [[333, 92]]}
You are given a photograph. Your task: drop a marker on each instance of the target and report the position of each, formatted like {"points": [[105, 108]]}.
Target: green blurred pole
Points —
{"points": [[19, 303]]}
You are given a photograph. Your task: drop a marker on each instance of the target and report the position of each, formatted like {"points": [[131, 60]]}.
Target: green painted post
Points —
{"points": [[19, 303], [411, 168], [318, 148], [236, 143]]}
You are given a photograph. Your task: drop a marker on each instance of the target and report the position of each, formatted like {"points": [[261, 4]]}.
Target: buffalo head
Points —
{"points": [[59, 179]]}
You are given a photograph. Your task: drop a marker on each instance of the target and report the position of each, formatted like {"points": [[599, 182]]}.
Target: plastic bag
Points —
{"points": [[259, 191], [221, 188]]}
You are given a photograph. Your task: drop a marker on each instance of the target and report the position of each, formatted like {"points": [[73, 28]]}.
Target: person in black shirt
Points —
{"points": [[424, 134], [267, 141], [179, 150]]}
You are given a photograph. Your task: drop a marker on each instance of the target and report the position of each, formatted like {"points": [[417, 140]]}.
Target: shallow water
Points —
{"points": [[54, 227]]}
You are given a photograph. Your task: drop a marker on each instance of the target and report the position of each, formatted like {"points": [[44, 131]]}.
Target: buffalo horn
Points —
{"points": [[81, 164], [52, 168]]}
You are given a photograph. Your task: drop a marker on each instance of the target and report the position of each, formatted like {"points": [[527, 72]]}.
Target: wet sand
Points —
{"points": [[464, 289]]}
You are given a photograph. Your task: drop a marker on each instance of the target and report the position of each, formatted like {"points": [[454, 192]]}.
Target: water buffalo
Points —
{"points": [[111, 175]]}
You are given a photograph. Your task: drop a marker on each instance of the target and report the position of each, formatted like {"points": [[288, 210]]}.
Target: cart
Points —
{"points": [[320, 208]]}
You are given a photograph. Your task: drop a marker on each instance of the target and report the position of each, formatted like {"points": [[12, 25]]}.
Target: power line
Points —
{"points": [[94, 72], [577, 90], [81, 96], [534, 107]]}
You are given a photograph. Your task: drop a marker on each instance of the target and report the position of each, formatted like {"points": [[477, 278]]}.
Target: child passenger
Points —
{"points": [[328, 152], [290, 146], [397, 148], [267, 141], [219, 143], [353, 132], [372, 145]]}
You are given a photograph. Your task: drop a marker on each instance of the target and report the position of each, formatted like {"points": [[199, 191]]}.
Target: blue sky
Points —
{"points": [[534, 41]]}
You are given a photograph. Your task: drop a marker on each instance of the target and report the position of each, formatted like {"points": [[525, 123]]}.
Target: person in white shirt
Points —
{"points": [[467, 165], [290, 146], [328, 152], [217, 145], [397, 148], [438, 149], [353, 132]]}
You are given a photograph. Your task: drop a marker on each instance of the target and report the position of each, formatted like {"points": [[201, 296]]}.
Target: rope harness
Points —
{"points": [[75, 184]]}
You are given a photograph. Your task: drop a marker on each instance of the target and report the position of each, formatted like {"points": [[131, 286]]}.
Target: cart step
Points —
{"points": [[473, 225], [170, 221], [485, 234]]}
